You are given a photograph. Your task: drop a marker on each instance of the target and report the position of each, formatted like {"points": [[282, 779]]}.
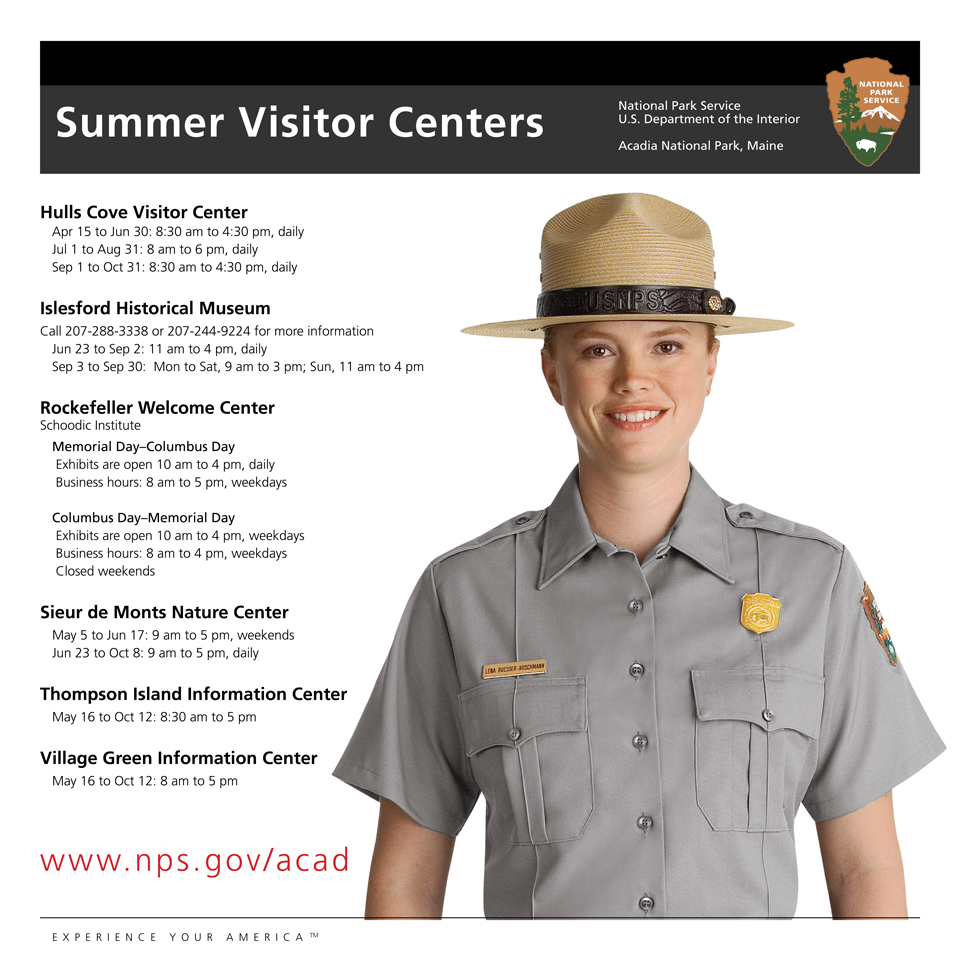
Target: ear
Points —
{"points": [[712, 366], [550, 375]]}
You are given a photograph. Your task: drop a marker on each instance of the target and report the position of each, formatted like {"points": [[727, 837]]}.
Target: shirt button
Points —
{"points": [[646, 904], [636, 670], [746, 515], [513, 733], [645, 823], [522, 520], [768, 715], [635, 606], [639, 741]]}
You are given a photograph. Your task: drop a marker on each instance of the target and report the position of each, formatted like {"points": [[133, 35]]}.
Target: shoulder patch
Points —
{"points": [[743, 515], [876, 623], [521, 523]]}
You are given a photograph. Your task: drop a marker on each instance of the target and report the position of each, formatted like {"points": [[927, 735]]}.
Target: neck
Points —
{"points": [[633, 510]]}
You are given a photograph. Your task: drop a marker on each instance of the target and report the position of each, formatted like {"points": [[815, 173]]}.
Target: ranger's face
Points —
{"points": [[633, 390]]}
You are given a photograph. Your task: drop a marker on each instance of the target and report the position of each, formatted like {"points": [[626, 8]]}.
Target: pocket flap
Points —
{"points": [[507, 713], [795, 697]]}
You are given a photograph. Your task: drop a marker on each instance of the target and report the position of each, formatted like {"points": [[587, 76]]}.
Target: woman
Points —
{"points": [[645, 681]]}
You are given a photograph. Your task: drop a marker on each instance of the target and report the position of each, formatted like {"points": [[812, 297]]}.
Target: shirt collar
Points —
{"points": [[700, 531]]}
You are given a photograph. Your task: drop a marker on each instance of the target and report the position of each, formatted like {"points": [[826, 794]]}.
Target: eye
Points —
{"points": [[669, 347], [598, 352]]}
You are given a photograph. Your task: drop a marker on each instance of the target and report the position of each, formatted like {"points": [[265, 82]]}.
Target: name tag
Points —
{"points": [[492, 670]]}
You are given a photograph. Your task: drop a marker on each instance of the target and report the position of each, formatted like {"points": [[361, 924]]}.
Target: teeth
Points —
{"points": [[637, 417]]}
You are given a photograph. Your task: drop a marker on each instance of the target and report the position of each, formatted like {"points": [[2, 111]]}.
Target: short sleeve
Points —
{"points": [[874, 733], [408, 745]]}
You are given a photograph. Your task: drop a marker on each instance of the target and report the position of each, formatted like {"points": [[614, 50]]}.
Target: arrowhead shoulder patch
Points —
{"points": [[876, 622]]}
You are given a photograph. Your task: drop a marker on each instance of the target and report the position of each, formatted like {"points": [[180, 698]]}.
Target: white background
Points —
{"points": [[844, 422]]}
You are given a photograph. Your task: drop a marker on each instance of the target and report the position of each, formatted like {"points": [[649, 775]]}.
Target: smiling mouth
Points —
{"points": [[637, 417]]}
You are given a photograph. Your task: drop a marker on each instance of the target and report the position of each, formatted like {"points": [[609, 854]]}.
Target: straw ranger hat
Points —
{"points": [[628, 256]]}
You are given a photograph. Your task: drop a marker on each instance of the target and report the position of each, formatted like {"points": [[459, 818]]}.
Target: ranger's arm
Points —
{"points": [[861, 861], [408, 875]]}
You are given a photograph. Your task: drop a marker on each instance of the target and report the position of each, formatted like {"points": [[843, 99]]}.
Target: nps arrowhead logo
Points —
{"points": [[868, 103]]}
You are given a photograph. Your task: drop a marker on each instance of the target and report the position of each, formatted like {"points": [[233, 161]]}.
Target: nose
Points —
{"points": [[634, 372]]}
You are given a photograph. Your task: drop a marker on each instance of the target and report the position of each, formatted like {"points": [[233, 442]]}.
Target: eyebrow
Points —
{"points": [[670, 331], [663, 332]]}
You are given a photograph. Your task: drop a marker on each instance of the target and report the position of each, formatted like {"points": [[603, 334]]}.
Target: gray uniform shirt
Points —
{"points": [[655, 767]]}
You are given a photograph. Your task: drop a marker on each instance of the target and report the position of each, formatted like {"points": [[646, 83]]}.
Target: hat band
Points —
{"points": [[639, 300]]}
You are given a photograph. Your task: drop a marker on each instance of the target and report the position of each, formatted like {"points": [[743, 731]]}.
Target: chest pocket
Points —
{"points": [[529, 745], [749, 762]]}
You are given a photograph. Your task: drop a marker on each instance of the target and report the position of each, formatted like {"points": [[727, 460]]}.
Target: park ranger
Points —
{"points": [[645, 681]]}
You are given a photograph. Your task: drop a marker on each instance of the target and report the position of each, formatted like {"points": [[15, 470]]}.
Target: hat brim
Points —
{"points": [[533, 329]]}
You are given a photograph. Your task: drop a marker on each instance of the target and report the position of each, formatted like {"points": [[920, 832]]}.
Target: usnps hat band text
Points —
{"points": [[632, 299]]}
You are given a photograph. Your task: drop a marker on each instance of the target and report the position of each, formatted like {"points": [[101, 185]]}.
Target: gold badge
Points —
{"points": [[761, 612], [876, 622], [515, 669]]}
